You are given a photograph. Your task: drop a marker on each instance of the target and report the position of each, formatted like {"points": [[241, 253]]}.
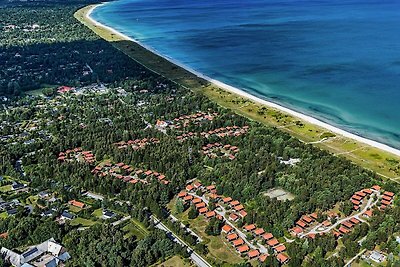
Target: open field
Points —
{"points": [[387, 165], [5, 188], [135, 228], [175, 261], [82, 222]]}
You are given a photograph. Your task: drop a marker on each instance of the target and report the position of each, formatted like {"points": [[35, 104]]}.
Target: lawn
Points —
{"points": [[98, 213], [135, 228], [5, 188], [32, 200], [3, 215], [74, 209], [175, 261], [82, 222]]}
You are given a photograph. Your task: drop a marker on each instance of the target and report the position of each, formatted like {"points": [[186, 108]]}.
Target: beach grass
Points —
{"points": [[385, 164]]}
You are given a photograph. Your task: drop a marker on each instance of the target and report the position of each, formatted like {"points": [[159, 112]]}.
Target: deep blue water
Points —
{"points": [[337, 60]]}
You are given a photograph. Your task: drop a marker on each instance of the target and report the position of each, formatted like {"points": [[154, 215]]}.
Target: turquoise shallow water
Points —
{"points": [[338, 61]]}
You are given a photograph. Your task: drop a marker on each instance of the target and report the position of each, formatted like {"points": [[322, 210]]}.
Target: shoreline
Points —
{"points": [[237, 91]]}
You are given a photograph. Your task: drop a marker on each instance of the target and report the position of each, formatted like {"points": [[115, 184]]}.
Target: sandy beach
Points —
{"points": [[239, 92]]}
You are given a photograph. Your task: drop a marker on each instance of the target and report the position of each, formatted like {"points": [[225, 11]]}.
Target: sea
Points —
{"points": [[337, 61]]}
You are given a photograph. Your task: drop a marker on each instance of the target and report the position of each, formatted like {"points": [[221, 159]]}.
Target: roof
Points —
{"points": [[238, 242], [210, 214], [280, 248], [239, 207], [387, 193], [233, 217], [203, 210], [376, 187], [281, 257], [273, 242], [234, 203], [67, 215], [231, 237], [253, 253], [347, 224], [301, 224], [263, 257], [242, 213], [368, 213], [227, 199], [307, 219], [76, 203], [259, 231], [354, 220], [267, 236], [243, 248], [297, 230], [189, 187], [226, 228]]}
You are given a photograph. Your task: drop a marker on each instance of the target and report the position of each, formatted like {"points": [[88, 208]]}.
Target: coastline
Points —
{"points": [[237, 91]]}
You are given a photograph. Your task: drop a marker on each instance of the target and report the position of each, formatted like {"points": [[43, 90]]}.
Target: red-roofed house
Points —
{"points": [[189, 187], [76, 203], [253, 253], [233, 217], [263, 257], [389, 194], [242, 214], [259, 231], [243, 249], [226, 229], [182, 194], [232, 237], [203, 210], [295, 231], [282, 258], [267, 236], [210, 214], [273, 242], [301, 224], [280, 248], [368, 214], [376, 188], [234, 203], [249, 227], [238, 242]]}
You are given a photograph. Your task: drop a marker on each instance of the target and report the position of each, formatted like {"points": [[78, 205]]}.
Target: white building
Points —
{"points": [[46, 254]]}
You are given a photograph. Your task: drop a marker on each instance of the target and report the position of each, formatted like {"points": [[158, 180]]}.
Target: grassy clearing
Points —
{"points": [[32, 200], [82, 222], [175, 261], [5, 188], [98, 213], [385, 164], [135, 228], [74, 209]]}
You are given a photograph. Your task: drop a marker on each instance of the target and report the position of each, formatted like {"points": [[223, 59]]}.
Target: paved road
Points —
{"points": [[196, 258]]}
